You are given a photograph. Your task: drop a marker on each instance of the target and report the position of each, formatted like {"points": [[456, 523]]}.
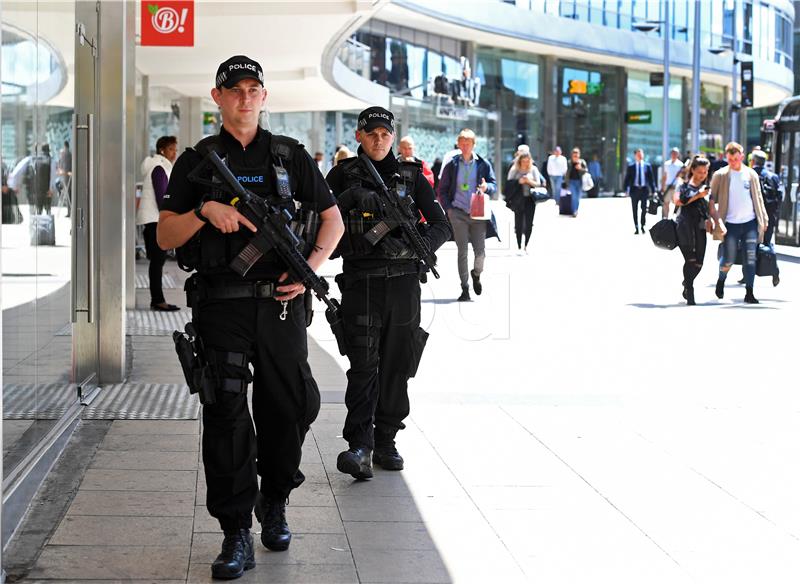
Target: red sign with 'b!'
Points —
{"points": [[168, 23]]}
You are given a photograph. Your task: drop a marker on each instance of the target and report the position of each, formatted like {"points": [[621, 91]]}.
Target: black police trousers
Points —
{"points": [[285, 402], [384, 344]]}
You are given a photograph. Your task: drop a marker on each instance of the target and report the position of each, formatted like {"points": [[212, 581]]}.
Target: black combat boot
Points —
{"points": [[355, 461], [385, 454], [720, 289], [236, 556], [748, 296], [689, 295], [271, 514], [464, 294]]}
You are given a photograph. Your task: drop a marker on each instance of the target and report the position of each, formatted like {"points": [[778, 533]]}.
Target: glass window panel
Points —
{"points": [[639, 10], [417, 70], [520, 77]]}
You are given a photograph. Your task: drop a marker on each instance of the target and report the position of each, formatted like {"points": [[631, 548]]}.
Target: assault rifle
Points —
{"points": [[397, 212], [274, 233]]}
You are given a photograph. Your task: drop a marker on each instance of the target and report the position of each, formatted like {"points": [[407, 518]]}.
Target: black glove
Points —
{"points": [[396, 248], [359, 198]]}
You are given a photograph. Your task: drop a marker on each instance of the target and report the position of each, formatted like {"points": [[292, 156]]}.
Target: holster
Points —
{"points": [[198, 373]]}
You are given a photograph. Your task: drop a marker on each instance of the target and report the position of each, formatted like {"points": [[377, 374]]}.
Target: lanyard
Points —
{"points": [[465, 177]]}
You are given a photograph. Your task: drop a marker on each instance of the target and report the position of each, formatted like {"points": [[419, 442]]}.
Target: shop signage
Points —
{"points": [[747, 83], [579, 87], [639, 117], [452, 112], [656, 80], [167, 23]]}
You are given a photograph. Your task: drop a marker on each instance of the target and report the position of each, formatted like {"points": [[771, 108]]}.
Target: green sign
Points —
{"points": [[640, 117]]}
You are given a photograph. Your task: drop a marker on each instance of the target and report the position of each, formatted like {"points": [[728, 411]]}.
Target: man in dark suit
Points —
{"points": [[640, 182]]}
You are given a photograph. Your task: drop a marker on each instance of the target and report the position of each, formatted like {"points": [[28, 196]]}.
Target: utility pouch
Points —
{"points": [[308, 304], [418, 340], [334, 318]]}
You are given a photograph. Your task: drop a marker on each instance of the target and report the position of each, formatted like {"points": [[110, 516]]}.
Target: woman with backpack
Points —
{"points": [[523, 177], [694, 222]]}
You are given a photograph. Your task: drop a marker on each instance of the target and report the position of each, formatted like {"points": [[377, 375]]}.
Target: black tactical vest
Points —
{"points": [[210, 252], [357, 222]]}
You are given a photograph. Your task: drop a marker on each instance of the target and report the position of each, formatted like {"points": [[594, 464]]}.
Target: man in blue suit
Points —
{"points": [[640, 183]]}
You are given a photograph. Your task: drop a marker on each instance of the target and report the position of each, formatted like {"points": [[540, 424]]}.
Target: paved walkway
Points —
{"points": [[575, 423]]}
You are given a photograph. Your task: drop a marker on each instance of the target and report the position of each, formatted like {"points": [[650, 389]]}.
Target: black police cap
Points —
{"points": [[374, 117], [237, 68]]}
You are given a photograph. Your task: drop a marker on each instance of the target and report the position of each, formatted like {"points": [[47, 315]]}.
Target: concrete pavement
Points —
{"points": [[575, 423]]}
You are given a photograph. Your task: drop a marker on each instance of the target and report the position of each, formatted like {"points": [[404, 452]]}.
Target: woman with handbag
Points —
{"points": [[694, 222], [523, 177]]}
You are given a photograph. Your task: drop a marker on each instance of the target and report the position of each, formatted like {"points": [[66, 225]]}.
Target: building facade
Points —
{"points": [[573, 73]]}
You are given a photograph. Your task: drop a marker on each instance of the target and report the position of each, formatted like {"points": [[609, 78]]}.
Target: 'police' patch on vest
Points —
{"points": [[248, 180]]}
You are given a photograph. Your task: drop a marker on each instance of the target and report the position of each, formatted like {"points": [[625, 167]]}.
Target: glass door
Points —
{"points": [[38, 93], [48, 288]]}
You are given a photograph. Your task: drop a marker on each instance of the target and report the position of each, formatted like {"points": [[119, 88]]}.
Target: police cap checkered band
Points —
{"points": [[374, 117], [237, 68]]}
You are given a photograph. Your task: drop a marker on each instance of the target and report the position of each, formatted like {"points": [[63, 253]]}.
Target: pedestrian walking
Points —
{"points": [[670, 179], [464, 176], [556, 171], [405, 149], [380, 287], [740, 217], [258, 319], [523, 177], [772, 190], [596, 172], [155, 177], [577, 168], [640, 183], [694, 222]]}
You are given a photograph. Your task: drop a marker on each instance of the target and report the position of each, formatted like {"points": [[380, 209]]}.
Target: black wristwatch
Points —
{"points": [[198, 212]]}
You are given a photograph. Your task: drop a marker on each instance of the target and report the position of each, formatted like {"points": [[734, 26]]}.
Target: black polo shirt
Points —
{"points": [[252, 165]]}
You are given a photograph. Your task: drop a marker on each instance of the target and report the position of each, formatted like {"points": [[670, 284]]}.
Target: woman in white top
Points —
{"points": [[155, 171]]}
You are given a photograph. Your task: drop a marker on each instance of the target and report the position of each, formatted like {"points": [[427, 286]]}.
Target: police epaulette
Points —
{"points": [[283, 146], [204, 146], [409, 170]]}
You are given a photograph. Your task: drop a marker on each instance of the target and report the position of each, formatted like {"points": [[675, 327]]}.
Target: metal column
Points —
{"points": [[734, 82], [114, 179], [695, 113], [667, 30]]}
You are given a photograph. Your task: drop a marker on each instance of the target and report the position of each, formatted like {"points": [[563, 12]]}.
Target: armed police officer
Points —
{"points": [[773, 192], [258, 319], [380, 287]]}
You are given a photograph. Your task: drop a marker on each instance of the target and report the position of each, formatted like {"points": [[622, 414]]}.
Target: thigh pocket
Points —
{"points": [[310, 395], [418, 340]]}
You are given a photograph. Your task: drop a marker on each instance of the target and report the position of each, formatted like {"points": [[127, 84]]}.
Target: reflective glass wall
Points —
{"points": [[590, 116], [763, 29], [38, 96], [645, 115], [511, 84]]}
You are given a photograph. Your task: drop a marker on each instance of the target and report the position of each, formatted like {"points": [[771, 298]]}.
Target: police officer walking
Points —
{"points": [[772, 190], [380, 288], [258, 319]]}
